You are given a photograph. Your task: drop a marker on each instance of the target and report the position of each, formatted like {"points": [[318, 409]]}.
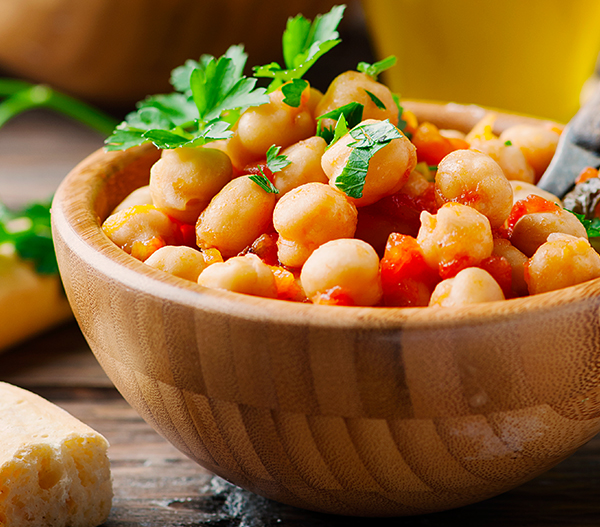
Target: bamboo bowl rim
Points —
{"points": [[79, 207]]}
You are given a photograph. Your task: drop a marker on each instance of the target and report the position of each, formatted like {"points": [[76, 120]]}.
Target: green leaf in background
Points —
{"points": [[29, 231], [21, 96]]}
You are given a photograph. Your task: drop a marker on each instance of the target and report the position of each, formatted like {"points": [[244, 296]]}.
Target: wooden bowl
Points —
{"points": [[347, 410]]}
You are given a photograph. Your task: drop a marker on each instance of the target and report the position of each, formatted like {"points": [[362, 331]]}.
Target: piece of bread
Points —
{"points": [[54, 470]]}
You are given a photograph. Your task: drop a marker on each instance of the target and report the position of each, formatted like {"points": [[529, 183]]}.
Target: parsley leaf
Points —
{"points": [[369, 139], [352, 115], [292, 92], [378, 102], [29, 231], [592, 227], [275, 163], [303, 44], [275, 160], [210, 95], [402, 124], [263, 182], [373, 70]]}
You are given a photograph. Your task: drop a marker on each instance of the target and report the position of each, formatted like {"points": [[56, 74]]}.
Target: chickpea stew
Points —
{"points": [[341, 197]]}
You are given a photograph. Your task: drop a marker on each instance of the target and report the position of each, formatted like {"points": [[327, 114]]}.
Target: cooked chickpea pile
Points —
{"points": [[444, 218]]}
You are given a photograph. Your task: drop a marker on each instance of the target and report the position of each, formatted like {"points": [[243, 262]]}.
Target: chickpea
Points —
{"points": [[232, 146], [532, 230], [475, 179], [241, 274], [348, 264], [305, 165], [140, 196], [182, 261], [389, 169], [456, 237], [309, 216], [140, 230], [521, 190], [537, 143], [517, 261], [562, 261], [510, 158], [483, 129], [352, 86], [235, 217], [273, 123], [448, 133], [184, 180], [470, 286]]}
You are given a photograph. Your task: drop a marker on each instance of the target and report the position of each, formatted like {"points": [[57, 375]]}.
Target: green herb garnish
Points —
{"points": [[210, 96], [508, 143], [352, 115], [275, 160], [303, 44], [369, 139], [402, 124], [378, 102], [263, 182], [373, 70], [29, 231], [592, 227], [292, 92], [275, 163]]}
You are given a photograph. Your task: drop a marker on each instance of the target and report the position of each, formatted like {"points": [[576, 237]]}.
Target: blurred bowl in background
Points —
{"points": [[114, 52], [530, 57]]}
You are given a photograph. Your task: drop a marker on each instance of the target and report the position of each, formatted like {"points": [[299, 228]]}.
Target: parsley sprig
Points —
{"points": [[303, 44], [375, 69], [29, 231], [592, 227], [210, 95], [368, 140], [346, 117], [275, 163]]}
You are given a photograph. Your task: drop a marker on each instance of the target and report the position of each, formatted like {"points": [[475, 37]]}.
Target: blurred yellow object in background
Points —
{"points": [[528, 56]]}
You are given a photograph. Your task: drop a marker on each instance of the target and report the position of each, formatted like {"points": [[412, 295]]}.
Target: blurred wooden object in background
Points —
{"points": [[114, 52]]}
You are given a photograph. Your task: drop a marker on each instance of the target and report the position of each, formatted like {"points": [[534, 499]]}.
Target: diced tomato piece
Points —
{"points": [[529, 205], [404, 208], [258, 169], [432, 146], [406, 278], [585, 174], [451, 268], [287, 285], [336, 296]]}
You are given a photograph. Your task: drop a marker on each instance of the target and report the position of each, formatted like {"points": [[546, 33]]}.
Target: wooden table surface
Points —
{"points": [[154, 484]]}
